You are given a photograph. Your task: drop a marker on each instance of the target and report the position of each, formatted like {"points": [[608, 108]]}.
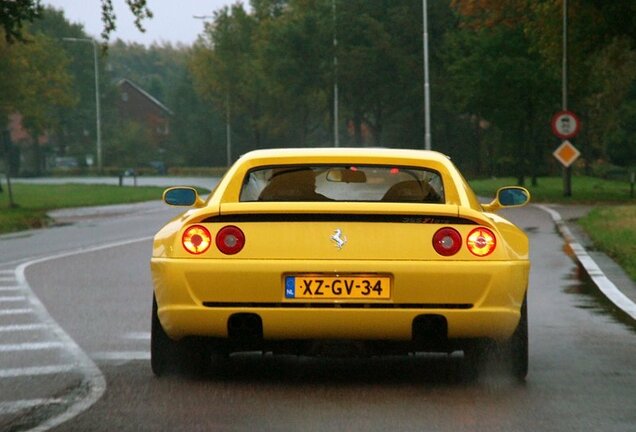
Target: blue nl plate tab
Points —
{"points": [[290, 287]]}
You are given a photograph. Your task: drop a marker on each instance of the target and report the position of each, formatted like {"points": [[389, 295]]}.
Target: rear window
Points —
{"points": [[359, 183]]}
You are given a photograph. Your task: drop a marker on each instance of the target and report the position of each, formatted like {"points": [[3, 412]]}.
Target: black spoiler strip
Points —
{"points": [[326, 217]]}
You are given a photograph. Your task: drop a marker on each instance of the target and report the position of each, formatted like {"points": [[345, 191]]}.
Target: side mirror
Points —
{"points": [[509, 196], [182, 197], [513, 196]]}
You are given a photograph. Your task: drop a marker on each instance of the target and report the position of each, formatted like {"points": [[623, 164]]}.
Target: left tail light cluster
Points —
{"points": [[480, 242], [197, 239]]}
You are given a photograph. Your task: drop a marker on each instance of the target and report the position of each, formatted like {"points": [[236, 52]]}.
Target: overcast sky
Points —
{"points": [[172, 21]]}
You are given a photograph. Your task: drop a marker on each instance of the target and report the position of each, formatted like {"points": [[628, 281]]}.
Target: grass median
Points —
{"points": [[611, 224], [34, 201], [613, 230]]}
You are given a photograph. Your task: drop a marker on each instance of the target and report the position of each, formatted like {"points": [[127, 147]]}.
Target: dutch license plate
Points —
{"points": [[338, 287]]}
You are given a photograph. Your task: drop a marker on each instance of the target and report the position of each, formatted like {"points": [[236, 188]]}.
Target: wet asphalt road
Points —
{"points": [[582, 359]]}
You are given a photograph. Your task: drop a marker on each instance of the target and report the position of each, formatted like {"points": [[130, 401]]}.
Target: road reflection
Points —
{"points": [[589, 297]]}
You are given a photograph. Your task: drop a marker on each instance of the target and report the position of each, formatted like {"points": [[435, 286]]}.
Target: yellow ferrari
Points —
{"points": [[340, 251]]}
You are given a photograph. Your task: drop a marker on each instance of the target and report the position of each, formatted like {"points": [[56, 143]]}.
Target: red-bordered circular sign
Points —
{"points": [[565, 124]]}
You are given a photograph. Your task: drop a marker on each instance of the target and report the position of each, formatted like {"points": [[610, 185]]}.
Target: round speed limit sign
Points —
{"points": [[565, 124]]}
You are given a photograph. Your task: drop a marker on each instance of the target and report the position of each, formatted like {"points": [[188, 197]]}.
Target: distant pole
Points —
{"points": [[228, 130], [98, 110], [427, 101], [336, 139], [567, 171], [98, 116], [228, 123]]}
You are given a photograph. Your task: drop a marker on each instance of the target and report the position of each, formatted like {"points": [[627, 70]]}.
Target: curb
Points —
{"points": [[599, 278]]}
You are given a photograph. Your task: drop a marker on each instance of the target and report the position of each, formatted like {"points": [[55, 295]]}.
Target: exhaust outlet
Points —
{"points": [[245, 326]]}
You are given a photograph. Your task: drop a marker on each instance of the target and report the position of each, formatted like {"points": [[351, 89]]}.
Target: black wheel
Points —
{"points": [[511, 355], [517, 346], [168, 357]]}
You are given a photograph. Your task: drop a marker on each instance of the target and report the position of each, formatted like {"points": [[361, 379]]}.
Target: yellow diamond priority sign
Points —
{"points": [[566, 153]]}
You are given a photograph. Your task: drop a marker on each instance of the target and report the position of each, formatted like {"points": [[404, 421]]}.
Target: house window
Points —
{"points": [[124, 96], [163, 129]]}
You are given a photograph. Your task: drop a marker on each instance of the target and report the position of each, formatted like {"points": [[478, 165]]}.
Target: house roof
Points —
{"points": [[147, 95]]}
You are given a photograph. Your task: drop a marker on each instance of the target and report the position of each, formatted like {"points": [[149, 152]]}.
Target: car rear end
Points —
{"points": [[424, 271]]}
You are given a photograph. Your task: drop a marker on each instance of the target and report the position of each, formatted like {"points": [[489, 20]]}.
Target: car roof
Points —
{"points": [[347, 152]]}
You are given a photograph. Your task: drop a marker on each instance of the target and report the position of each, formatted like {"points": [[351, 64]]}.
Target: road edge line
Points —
{"points": [[603, 283], [92, 374]]}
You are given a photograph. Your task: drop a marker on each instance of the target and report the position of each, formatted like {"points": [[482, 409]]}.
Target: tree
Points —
{"points": [[497, 79], [373, 64], [296, 52], [198, 130], [13, 13], [227, 72], [35, 82], [74, 129], [601, 69]]}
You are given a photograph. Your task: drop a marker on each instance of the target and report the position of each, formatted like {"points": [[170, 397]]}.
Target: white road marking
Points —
{"points": [[23, 327], [10, 288], [13, 407], [6, 312], [603, 283], [137, 336], [7, 279], [4, 272], [85, 365], [121, 355], [12, 299], [33, 346], [35, 371]]}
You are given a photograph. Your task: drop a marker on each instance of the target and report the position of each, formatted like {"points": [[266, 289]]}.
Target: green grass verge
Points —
{"points": [[33, 201], [585, 190], [613, 230]]}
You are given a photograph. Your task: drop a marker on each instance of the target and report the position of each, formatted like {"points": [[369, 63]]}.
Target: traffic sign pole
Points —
{"points": [[567, 171]]}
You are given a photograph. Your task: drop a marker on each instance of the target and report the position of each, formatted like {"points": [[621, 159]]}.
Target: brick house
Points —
{"points": [[136, 104]]}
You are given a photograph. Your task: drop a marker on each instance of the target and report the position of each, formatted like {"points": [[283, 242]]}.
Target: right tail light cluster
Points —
{"points": [[480, 241], [197, 239]]}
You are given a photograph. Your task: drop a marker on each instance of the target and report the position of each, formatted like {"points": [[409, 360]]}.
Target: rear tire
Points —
{"points": [[512, 355], [517, 347], [167, 356]]}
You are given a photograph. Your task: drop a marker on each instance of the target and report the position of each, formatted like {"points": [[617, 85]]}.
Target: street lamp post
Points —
{"points": [[97, 102], [336, 140], [228, 119], [427, 97]]}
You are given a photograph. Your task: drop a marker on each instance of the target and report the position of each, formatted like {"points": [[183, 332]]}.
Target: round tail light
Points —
{"points": [[230, 240], [447, 241], [196, 239], [481, 242]]}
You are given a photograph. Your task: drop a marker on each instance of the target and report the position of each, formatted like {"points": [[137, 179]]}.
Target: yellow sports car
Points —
{"points": [[330, 251]]}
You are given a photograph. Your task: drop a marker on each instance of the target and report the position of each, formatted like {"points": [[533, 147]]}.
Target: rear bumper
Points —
{"points": [[477, 299]]}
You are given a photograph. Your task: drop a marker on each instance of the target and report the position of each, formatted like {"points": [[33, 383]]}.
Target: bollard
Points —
{"points": [[121, 180], [632, 180]]}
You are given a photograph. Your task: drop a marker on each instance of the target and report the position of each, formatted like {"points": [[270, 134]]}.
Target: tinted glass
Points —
{"points": [[511, 197], [343, 183], [180, 197]]}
